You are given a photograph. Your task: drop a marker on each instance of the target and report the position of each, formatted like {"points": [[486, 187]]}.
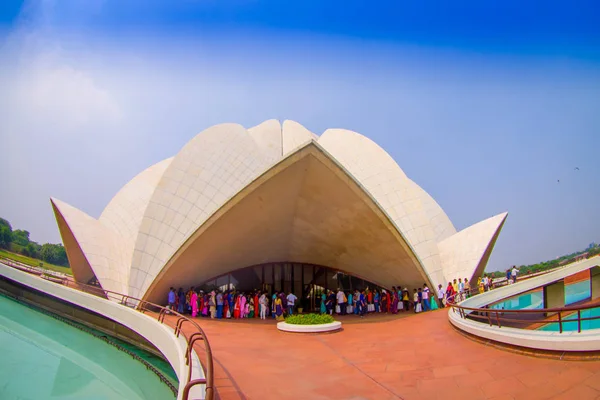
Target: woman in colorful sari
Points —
{"points": [[176, 306], [350, 299], [394, 302], [226, 312], [231, 301], [200, 303], [279, 309], [480, 285], [212, 303], [323, 300], [194, 301], [248, 306], [205, 305], [188, 300], [406, 299], [181, 301], [236, 307], [242, 306], [384, 302], [256, 304], [433, 303], [283, 298], [449, 294], [251, 309]]}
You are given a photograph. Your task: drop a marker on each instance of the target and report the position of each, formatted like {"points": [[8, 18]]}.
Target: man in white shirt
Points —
{"points": [[341, 301], [513, 273], [291, 300], [440, 294]]}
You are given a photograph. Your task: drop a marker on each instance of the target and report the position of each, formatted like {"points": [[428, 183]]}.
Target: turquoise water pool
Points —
{"points": [[43, 358], [525, 301], [574, 293], [572, 326]]}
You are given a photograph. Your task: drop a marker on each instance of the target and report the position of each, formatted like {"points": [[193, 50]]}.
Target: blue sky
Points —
{"points": [[484, 105]]}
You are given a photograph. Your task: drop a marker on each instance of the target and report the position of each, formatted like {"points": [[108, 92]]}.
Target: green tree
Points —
{"points": [[30, 250], [20, 237], [5, 233], [47, 253], [61, 255], [53, 254]]}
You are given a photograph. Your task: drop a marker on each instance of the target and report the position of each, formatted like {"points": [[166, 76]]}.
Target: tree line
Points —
{"points": [[18, 241], [592, 250]]}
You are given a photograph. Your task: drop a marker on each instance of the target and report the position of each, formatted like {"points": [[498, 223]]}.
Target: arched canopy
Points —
{"points": [[305, 209]]}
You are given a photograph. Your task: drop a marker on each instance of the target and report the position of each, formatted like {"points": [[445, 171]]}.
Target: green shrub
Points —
{"points": [[309, 319]]}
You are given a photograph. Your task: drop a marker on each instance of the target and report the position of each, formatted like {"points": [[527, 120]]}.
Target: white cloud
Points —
{"points": [[61, 94]]}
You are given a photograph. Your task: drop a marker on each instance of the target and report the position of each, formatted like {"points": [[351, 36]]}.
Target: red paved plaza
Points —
{"points": [[417, 357]]}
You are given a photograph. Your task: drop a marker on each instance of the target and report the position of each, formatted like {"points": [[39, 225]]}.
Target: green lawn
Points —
{"points": [[34, 262]]}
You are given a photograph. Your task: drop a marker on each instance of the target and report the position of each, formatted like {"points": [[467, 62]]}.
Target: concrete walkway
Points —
{"points": [[417, 357]]}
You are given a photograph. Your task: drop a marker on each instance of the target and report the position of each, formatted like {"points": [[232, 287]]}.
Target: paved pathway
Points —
{"points": [[419, 357]]}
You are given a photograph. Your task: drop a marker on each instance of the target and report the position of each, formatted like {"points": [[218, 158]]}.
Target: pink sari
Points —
{"points": [[242, 306], [194, 300], [205, 308]]}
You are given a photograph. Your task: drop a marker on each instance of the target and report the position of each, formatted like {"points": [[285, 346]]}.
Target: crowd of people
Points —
{"points": [[231, 304], [457, 291], [361, 302], [256, 304]]}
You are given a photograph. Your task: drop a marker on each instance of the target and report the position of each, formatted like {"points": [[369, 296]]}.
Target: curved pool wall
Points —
{"points": [[569, 341], [44, 358], [160, 335]]}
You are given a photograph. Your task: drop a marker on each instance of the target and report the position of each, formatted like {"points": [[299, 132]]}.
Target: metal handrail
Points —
{"points": [[485, 313], [141, 306]]}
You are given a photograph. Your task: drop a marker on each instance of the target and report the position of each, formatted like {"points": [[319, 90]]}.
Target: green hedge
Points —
{"points": [[309, 319]]}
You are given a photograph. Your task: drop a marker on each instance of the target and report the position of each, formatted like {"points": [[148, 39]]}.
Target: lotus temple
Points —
{"points": [[276, 207]]}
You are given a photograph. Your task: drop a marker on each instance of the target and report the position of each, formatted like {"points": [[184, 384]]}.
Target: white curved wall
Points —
{"points": [[401, 198], [107, 243], [210, 169], [268, 137], [438, 219], [160, 335], [125, 211], [100, 246], [295, 135], [462, 253]]}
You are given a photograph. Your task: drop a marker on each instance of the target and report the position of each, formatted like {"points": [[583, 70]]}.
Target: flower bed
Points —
{"points": [[309, 323]]}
